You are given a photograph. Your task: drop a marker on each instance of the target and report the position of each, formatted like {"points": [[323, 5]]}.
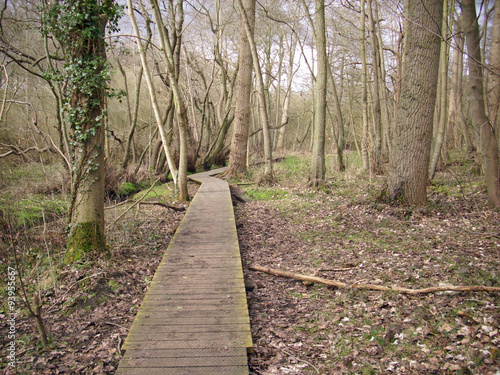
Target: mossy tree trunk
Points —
{"points": [[80, 26], [87, 210]]}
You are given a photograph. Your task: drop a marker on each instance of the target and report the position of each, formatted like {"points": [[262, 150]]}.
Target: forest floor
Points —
{"points": [[340, 232], [343, 233], [87, 307]]}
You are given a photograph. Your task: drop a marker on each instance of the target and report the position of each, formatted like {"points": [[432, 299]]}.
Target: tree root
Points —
{"points": [[341, 285]]}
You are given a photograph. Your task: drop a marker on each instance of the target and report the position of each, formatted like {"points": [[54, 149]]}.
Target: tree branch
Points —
{"points": [[341, 285]]}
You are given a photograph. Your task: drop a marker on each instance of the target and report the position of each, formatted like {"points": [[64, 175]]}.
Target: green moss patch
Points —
{"points": [[85, 238]]}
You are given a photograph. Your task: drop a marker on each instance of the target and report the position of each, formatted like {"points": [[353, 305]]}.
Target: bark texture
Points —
{"points": [[318, 168], [261, 90], [494, 76], [489, 143], [85, 110], [239, 140], [407, 180]]}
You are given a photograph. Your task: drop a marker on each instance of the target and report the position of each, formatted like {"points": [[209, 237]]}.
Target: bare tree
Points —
{"points": [[377, 111], [365, 138], [263, 112], [171, 62], [152, 91]]}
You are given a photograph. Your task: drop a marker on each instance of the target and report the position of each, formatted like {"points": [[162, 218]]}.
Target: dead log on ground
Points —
{"points": [[341, 285]]}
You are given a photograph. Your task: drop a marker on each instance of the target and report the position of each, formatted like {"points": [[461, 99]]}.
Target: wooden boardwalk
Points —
{"points": [[194, 317]]}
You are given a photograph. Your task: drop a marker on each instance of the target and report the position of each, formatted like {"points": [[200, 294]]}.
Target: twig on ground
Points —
{"points": [[298, 359], [117, 325]]}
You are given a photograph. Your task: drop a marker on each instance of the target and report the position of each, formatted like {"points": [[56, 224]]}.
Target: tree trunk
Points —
{"points": [[489, 143], [494, 76], [339, 137], [365, 139], [464, 126], [384, 96], [280, 144], [263, 111], [171, 62], [443, 94], [407, 180], [132, 115], [454, 124], [152, 92], [87, 59], [224, 113], [377, 111], [239, 140], [318, 167]]}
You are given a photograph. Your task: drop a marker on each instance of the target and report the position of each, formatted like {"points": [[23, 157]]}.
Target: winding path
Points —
{"points": [[194, 317]]}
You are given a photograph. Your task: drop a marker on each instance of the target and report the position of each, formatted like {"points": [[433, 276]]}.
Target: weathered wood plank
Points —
{"points": [[215, 370], [237, 360], [230, 342], [185, 353], [154, 319]]}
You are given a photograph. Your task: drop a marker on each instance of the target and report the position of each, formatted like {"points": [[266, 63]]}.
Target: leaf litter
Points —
{"points": [[313, 329]]}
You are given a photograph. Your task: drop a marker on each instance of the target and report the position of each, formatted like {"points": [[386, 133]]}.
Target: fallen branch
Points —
{"points": [[166, 205], [134, 204], [339, 284], [156, 203]]}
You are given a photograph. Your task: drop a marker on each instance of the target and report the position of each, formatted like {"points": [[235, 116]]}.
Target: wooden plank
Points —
{"points": [[155, 319], [230, 342], [193, 328], [206, 370], [194, 318], [185, 353], [237, 360]]}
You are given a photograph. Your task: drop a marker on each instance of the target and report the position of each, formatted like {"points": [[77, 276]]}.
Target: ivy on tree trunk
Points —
{"points": [[80, 27]]}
